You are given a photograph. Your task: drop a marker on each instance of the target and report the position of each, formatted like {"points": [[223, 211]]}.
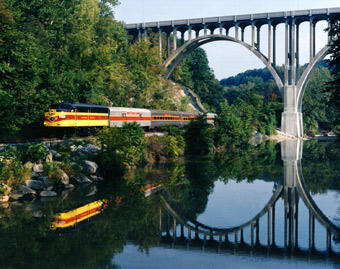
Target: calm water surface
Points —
{"points": [[274, 205]]}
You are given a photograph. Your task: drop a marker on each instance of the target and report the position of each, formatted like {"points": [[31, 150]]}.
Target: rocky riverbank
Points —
{"points": [[64, 169]]}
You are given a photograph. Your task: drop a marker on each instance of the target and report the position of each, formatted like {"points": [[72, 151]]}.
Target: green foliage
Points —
{"points": [[318, 113], [121, 148], [233, 125], [236, 123], [164, 148], [37, 152], [12, 172], [199, 136], [52, 170], [333, 87], [334, 61], [52, 51], [195, 73]]}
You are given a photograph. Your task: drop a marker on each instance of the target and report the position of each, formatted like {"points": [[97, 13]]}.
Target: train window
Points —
{"points": [[82, 109], [62, 107]]}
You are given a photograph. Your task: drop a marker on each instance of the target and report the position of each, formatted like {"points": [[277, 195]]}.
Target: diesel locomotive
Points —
{"points": [[88, 117]]}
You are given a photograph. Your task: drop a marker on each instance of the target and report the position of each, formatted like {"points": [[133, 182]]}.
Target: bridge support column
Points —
{"points": [[291, 118]]}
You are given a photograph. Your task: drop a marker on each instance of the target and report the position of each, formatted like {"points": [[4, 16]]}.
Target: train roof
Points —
{"points": [[83, 105], [129, 109]]}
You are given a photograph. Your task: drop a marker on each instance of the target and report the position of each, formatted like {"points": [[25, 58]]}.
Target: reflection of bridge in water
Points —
{"points": [[191, 234]]}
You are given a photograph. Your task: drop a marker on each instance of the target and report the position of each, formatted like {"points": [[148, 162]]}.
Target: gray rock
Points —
{"points": [[48, 199], [49, 188], [16, 195], [91, 167], [64, 177], [69, 186], [83, 179], [55, 154], [34, 184], [39, 168], [73, 147], [43, 179], [26, 190], [93, 177], [92, 148], [47, 193], [92, 191], [34, 175]]}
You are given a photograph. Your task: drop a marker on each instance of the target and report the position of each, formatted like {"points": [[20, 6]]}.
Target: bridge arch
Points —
{"points": [[177, 56]]}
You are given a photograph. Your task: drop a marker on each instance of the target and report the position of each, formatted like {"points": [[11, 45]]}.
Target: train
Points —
{"points": [[89, 117]]}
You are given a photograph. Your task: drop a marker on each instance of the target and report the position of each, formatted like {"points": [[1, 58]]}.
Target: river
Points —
{"points": [[274, 205]]}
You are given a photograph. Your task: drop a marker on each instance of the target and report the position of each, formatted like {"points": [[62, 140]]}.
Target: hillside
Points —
{"points": [[318, 114]]}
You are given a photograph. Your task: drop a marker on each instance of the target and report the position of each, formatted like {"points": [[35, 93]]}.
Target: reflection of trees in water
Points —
{"points": [[27, 241], [320, 166], [250, 163]]}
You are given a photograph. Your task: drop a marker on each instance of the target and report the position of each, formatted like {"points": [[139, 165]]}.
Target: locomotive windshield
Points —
{"points": [[62, 107]]}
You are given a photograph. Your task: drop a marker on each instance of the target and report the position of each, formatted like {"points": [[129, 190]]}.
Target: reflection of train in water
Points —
{"points": [[76, 216], [71, 115]]}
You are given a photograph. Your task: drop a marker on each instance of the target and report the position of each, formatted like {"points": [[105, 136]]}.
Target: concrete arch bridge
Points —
{"points": [[291, 85]]}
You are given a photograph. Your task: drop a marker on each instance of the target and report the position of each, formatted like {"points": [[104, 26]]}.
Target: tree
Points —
{"points": [[199, 137], [334, 62], [196, 74], [121, 148]]}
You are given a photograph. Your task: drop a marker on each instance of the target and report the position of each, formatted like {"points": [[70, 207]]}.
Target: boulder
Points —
{"points": [[64, 177], [47, 193], [43, 178], [93, 177], [92, 190], [55, 154], [38, 168], [34, 175], [26, 190], [81, 178], [91, 167], [16, 195], [69, 186], [49, 188], [34, 184]]}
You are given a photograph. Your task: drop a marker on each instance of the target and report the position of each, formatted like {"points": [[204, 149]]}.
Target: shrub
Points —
{"points": [[36, 153], [71, 169], [121, 148], [163, 148], [199, 136], [13, 173], [52, 170]]}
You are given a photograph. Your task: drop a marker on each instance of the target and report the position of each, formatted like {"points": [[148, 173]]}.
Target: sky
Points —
{"points": [[227, 58]]}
